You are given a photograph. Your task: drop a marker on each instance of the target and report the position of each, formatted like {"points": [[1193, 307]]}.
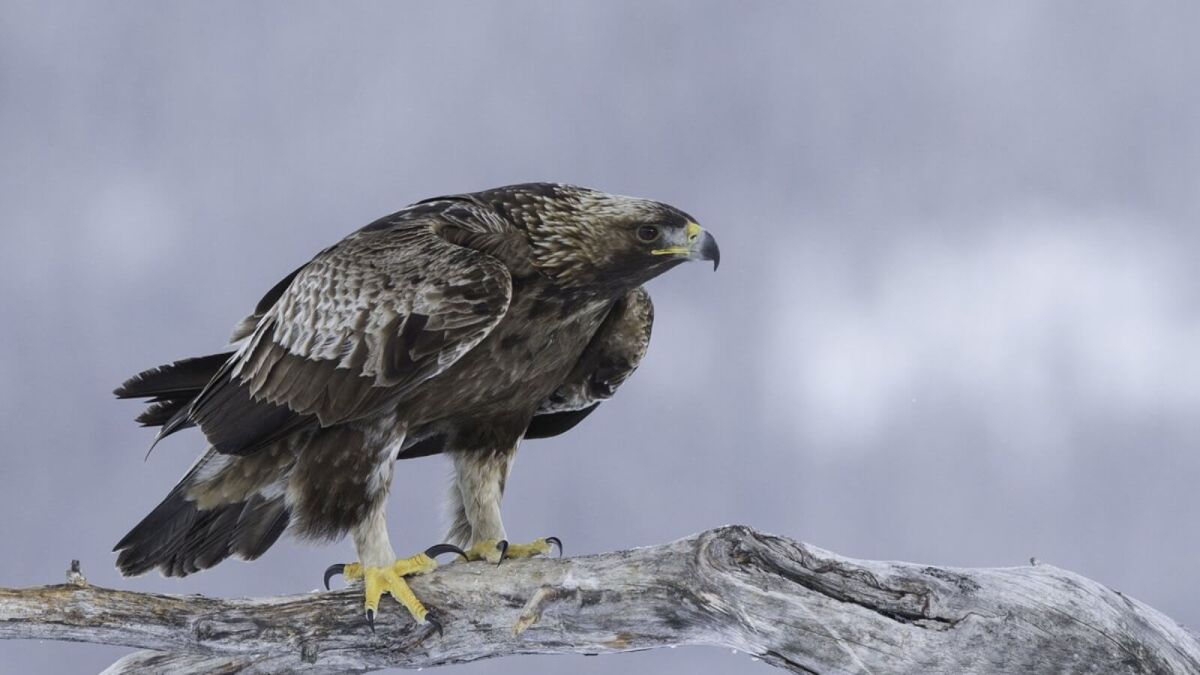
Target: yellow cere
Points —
{"points": [[693, 232]]}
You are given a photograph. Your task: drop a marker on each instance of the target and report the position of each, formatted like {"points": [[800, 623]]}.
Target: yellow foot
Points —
{"points": [[378, 581], [494, 551]]}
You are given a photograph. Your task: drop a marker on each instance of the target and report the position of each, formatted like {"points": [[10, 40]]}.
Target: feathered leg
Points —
{"points": [[380, 571], [377, 566], [475, 495]]}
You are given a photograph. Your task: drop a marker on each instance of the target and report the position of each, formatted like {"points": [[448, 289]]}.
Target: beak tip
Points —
{"points": [[710, 251]]}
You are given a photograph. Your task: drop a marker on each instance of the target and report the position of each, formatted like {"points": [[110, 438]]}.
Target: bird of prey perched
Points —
{"points": [[459, 325]]}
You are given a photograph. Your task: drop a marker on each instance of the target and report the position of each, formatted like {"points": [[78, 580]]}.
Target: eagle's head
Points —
{"points": [[589, 239]]}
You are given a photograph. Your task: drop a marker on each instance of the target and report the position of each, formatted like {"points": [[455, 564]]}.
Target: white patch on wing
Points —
{"points": [[272, 490], [209, 465]]}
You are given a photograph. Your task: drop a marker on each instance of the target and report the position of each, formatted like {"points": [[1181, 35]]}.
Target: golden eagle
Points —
{"points": [[459, 325]]}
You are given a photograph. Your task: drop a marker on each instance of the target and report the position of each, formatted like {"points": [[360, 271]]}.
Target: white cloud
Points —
{"points": [[1028, 329]]}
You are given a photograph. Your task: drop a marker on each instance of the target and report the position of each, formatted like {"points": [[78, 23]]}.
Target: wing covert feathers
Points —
{"points": [[355, 329]]}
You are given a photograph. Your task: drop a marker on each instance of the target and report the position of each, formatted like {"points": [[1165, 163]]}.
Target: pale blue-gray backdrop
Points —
{"points": [[956, 322]]}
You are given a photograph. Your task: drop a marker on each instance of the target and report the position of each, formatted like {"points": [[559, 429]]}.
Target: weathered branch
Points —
{"points": [[792, 605]]}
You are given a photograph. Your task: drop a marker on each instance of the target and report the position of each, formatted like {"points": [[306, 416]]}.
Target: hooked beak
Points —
{"points": [[702, 245]]}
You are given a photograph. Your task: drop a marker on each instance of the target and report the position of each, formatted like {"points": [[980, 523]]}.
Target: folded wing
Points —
{"points": [[611, 356], [354, 330]]}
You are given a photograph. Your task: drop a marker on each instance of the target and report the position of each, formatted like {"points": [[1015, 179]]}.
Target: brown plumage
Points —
{"points": [[458, 325]]}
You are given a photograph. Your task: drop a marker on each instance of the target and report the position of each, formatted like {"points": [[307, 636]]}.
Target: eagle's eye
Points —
{"points": [[647, 233]]}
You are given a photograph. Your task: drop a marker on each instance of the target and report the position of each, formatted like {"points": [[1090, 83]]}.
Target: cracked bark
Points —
{"points": [[791, 605]]}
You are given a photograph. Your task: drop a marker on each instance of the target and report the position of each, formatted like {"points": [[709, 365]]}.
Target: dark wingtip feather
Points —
{"points": [[173, 380], [235, 422], [171, 389], [159, 413], [136, 386], [548, 425]]}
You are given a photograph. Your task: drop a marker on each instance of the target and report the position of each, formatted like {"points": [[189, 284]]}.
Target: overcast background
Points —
{"points": [[956, 320]]}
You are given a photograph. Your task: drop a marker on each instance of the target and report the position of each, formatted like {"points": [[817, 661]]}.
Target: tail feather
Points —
{"points": [[180, 538], [259, 527]]}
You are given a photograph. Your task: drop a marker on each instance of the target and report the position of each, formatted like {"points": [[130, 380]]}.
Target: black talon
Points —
{"points": [[436, 624], [331, 571], [371, 619], [555, 541], [438, 549], [501, 546]]}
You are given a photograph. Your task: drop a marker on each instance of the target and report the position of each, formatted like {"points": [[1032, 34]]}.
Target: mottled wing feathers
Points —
{"points": [[357, 328], [246, 326], [611, 356]]}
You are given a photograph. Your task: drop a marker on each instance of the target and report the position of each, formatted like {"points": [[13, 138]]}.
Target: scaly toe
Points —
{"points": [[489, 550], [420, 563], [535, 547], [349, 572], [389, 580]]}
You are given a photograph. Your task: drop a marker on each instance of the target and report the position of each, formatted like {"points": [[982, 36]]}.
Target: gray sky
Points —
{"points": [[955, 320]]}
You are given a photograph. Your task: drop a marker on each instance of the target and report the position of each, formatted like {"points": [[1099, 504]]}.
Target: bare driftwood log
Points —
{"points": [[792, 605]]}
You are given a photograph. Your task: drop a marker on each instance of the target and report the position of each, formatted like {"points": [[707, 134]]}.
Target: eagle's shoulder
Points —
{"points": [[472, 221]]}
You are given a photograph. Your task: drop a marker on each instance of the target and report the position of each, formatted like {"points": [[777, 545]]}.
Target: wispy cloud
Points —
{"points": [[1027, 329]]}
